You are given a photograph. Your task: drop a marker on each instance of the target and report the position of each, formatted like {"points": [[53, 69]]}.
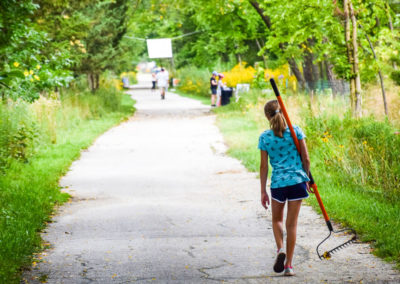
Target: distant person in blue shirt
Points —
{"points": [[289, 181]]}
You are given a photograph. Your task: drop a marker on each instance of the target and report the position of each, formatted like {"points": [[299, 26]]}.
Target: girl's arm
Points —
{"points": [[304, 156], [305, 160], [263, 178]]}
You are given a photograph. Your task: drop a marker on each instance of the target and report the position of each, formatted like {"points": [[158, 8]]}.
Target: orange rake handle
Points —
{"points": [[296, 142]]}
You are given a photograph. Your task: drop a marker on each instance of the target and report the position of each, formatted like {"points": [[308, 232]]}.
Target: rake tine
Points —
{"points": [[328, 254]]}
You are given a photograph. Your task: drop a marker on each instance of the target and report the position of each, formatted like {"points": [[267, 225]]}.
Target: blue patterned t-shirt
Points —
{"points": [[287, 168]]}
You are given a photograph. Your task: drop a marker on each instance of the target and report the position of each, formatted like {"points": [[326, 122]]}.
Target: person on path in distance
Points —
{"points": [[289, 181], [213, 87], [162, 81], [153, 81], [219, 88]]}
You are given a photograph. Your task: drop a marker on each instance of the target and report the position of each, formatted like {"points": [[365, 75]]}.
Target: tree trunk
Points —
{"points": [[297, 73], [331, 77], [379, 73], [239, 58], [263, 56], [90, 81], [97, 81], [260, 12], [315, 72], [358, 91], [93, 80], [292, 63], [349, 52], [390, 27], [3, 98], [308, 72]]}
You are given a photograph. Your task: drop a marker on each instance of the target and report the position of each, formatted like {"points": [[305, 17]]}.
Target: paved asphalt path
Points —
{"points": [[155, 199]]}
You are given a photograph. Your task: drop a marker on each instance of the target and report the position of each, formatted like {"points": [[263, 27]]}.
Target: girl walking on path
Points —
{"points": [[289, 181]]}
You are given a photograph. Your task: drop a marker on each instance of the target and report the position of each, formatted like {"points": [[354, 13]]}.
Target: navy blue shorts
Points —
{"points": [[291, 192], [213, 91]]}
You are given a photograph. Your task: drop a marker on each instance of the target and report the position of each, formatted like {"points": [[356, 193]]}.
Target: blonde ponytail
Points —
{"points": [[275, 117]]}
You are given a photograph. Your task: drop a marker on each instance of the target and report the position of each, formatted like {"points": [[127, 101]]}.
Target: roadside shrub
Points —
{"points": [[396, 77], [239, 74], [194, 81], [362, 152], [131, 75], [18, 130]]}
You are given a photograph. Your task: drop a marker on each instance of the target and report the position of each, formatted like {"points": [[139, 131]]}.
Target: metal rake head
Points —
{"points": [[328, 254]]}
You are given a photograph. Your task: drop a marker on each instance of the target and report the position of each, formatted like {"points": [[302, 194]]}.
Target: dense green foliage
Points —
{"points": [[44, 44], [40, 143], [309, 36]]}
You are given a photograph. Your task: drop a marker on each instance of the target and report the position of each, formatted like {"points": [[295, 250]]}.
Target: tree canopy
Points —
{"points": [[44, 44]]}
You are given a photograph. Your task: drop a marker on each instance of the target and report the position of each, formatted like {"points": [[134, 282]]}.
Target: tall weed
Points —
{"points": [[18, 130], [194, 81]]}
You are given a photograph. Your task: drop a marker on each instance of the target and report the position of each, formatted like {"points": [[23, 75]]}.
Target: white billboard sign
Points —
{"points": [[159, 48]]}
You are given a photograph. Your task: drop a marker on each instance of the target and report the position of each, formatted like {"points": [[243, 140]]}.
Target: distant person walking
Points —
{"points": [[219, 88], [289, 181], [213, 87], [162, 81], [153, 81]]}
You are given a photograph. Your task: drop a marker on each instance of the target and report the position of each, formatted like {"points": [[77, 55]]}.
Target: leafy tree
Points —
{"points": [[101, 45]]}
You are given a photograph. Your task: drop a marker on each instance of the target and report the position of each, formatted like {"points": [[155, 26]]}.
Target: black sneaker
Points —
{"points": [[279, 265]]}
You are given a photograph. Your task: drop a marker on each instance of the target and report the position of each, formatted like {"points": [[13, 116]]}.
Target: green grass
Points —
{"points": [[29, 191], [363, 206]]}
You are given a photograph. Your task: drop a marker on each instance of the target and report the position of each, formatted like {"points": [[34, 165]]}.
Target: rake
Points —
{"points": [[313, 185]]}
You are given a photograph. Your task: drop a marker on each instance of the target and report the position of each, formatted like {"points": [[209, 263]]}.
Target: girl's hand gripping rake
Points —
{"points": [[313, 185]]}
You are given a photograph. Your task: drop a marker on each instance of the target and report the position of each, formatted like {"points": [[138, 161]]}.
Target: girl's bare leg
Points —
{"points": [[277, 222], [291, 229]]}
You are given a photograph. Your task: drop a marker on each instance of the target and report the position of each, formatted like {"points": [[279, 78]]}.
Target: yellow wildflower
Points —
{"points": [[16, 64], [26, 73], [325, 139], [71, 42], [364, 142], [329, 136], [37, 77], [31, 72], [326, 133], [341, 146], [66, 17], [38, 67], [31, 80], [83, 50]]}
